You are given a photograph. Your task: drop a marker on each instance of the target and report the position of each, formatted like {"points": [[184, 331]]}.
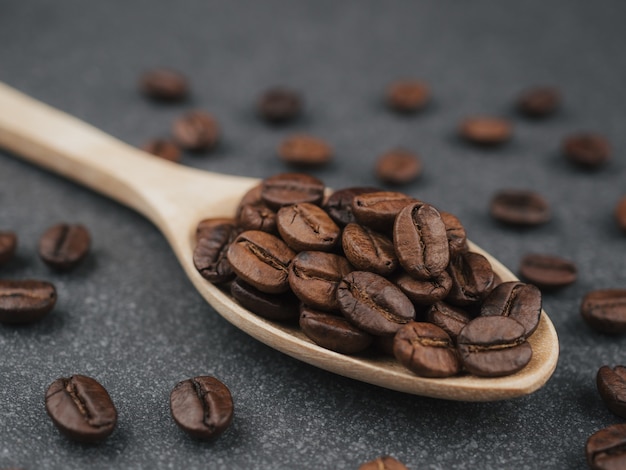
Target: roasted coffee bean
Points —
{"points": [[257, 217], [378, 210], [368, 250], [539, 102], [612, 388], [25, 301], [486, 131], [455, 232], [262, 260], [620, 213], [209, 256], [81, 408], [206, 226], [8, 246], [196, 131], [64, 246], [472, 279], [426, 350], [252, 198], [547, 271], [339, 204], [420, 240], [604, 310], [305, 150], [374, 304], [333, 332], [587, 150], [291, 188], [202, 407], [606, 449], [305, 226], [516, 300], [398, 167], [407, 96], [449, 318], [494, 346], [279, 105], [424, 292], [383, 463], [520, 207], [164, 85], [278, 307], [314, 277], [164, 149]]}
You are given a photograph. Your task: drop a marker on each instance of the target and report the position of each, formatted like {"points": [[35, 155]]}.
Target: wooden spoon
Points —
{"points": [[175, 198]]}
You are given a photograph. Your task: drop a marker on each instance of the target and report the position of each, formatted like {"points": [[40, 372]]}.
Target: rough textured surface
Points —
{"points": [[128, 316]]}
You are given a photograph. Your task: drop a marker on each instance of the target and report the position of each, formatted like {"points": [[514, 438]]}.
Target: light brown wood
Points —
{"points": [[175, 198]]}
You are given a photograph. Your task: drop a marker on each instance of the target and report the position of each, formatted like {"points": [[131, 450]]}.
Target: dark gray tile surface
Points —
{"points": [[131, 319]]}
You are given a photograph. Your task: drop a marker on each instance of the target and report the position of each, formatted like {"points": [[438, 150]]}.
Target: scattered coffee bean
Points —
{"points": [[472, 279], [305, 150], [333, 332], [164, 85], [378, 210], [590, 151], [278, 307], [604, 310], [539, 102], [81, 409], [424, 292], [368, 250], [455, 232], [63, 246], [426, 350], [547, 271], [339, 204], [202, 407], [196, 131], [25, 301], [486, 131], [383, 463], [516, 300], [620, 213], [449, 318], [164, 149], [398, 167], [279, 105], [612, 388], [306, 227], [606, 449], [519, 207], [209, 256], [291, 188], [8, 246], [407, 96]]}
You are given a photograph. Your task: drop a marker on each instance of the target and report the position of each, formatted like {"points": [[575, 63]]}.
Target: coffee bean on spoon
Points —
{"points": [[472, 279], [333, 332], [305, 226], [368, 250], [278, 307], [291, 188], [424, 291], [339, 204], [210, 254], [516, 300], [449, 318], [455, 232], [378, 210]]}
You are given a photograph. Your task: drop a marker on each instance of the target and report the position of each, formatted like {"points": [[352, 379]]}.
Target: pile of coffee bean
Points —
{"points": [[364, 266]]}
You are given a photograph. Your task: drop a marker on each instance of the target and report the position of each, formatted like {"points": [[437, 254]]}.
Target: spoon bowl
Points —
{"points": [[175, 198]]}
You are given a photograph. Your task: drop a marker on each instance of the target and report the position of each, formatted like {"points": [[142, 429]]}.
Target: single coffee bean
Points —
{"points": [[252, 197], [164, 149], [604, 310], [81, 408], [64, 246], [368, 250], [279, 105], [305, 150], [209, 256], [262, 260], [398, 167], [606, 449], [257, 217], [378, 210], [196, 131], [472, 279], [620, 213], [449, 318], [424, 292], [426, 350], [374, 304], [486, 131], [520, 207], [547, 271], [8, 246], [314, 277], [539, 102], [612, 388], [206, 226], [407, 96], [420, 241], [202, 407], [516, 300], [164, 85], [455, 232], [291, 188], [383, 463], [494, 346], [305, 226], [587, 150], [25, 301], [333, 332], [278, 307], [339, 204]]}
